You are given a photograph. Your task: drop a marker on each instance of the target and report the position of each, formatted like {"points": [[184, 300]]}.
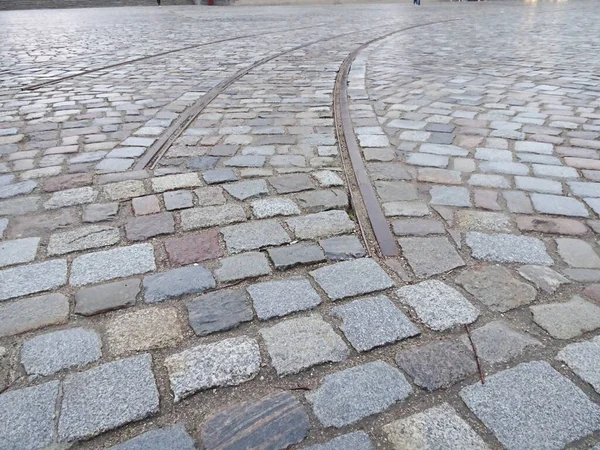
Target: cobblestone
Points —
{"points": [[84, 238], [18, 251], [25, 280], [358, 440], [508, 248], [217, 311], [166, 438], [577, 253], [319, 225], [567, 320], [99, 212], [282, 297], [106, 297], [292, 255], [176, 283], [254, 235], [430, 256], [239, 267], [210, 216], [581, 357]]}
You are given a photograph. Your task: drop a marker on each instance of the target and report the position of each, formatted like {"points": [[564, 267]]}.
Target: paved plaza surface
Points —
{"points": [[344, 227]]}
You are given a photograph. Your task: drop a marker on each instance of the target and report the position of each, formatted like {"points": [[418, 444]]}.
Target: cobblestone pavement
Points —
{"points": [[186, 261]]}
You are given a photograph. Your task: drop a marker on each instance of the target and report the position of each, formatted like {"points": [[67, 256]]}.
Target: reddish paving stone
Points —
{"points": [[67, 182], [487, 200], [593, 292], [145, 205], [583, 163], [194, 248], [551, 225], [34, 226], [468, 141], [145, 227]]}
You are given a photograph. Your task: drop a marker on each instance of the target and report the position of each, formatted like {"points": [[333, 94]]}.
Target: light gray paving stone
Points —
{"points": [[322, 200], [48, 353], [18, 251], [33, 278], [541, 170], [373, 322], [107, 397], [405, 209], [534, 147], [504, 167], [219, 310], [327, 178], [584, 189], [33, 313], [388, 171], [281, 297], [297, 344], [176, 283], [539, 159], [178, 200], [350, 278], [292, 255], [83, 238], [22, 188], [583, 275], [320, 225], [173, 437], [427, 160], [391, 191], [99, 212], [357, 440], [124, 190], [350, 395], [568, 319], [407, 124], [443, 149], [71, 197], [27, 417], [228, 362], [582, 358], [115, 164], [532, 406], [543, 277], [373, 140], [126, 152], [577, 253], [211, 216], [295, 182], [3, 227], [247, 189], [254, 235], [467, 220], [221, 175], [178, 181], [517, 202], [239, 267], [484, 180], [450, 195], [339, 248], [493, 154], [593, 203], [508, 248], [417, 227], [430, 255], [559, 205], [110, 264], [148, 226], [106, 297], [433, 429], [271, 207], [438, 305], [496, 342], [538, 185]]}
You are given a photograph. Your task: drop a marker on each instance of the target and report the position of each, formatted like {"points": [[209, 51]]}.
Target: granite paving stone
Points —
{"points": [[559, 205], [582, 358], [405, 209], [228, 362], [327, 178], [3, 227], [433, 429], [71, 197], [274, 422], [281, 297], [297, 344], [373, 322], [124, 190], [271, 207], [83, 238], [322, 200], [254, 235], [178, 181], [449, 195], [210, 196], [176, 283], [577, 253], [145, 205], [19, 206], [340, 248], [166, 438], [350, 395], [106, 297], [144, 227], [296, 182], [542, 170], [210, 216], [178, 200], [357, 440], [538, 185], [584, 189], [18, 251], [99, 212], [430, 255], [532, 406], [22, 188], [554, 225], [438, 305], [247, 189], [107, 397], [568, 319], [33, 278], [390, 191], [508, 248], [218, 311], [193, 248], [48, 353], [290, 256], [518, 202], [221, 175], [351, 278], [33, 313], [239, 267], [320, 225]]}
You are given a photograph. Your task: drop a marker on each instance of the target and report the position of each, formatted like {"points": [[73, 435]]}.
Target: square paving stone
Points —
{"points": [[33, 313], [254, 235], [296, 182], [33, 278], [107, 397], [438, 305], [567, 320], [559, 205], [496, 287], [145, 227], [350, 278], [450, 195], [497, 342], [274, 422], [239, 267], [168, 438], [281, 297], [211, 216], [532, 406], [373, 322], [223, 363], [437, 365], [508, 248], [577, 253], [433, 429], [297, 344], [247, 189], [106, 297], [292, 255], [178, 200], [430, 255], [543, 277], [145, 205], [340, 248], [193, 248], [583, 358], [27, 417], [176, 283], [392, 191], [18, 251], [350, 395], [320, 225], [218, 311], [48, 353], [358, 440]]}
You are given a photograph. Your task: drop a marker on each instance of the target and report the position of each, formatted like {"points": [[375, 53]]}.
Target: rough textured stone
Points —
{"points": [[350, 278], [582, 358], [107, 397], [405, 209], [495, 287], [168, 438], [218, 311], [393, 191], [496, 342], [124, 190], [41, 224], [437, 365], [450, 195], [297, 344], [99, 212], [327, 178], [12, 190], [281, 297], [209, 196], [593, 292], [83, 238], [532, 406], [27, 417], [67, 182], [433, 429], [295, 254], [508, 248], [110, 264], [296, 182], [358, 440], [417, 227], [577, 253], [438, 305], [319, 225], [441, 176], [142, 330], [247, 189], [48, 353], [178, 181], [342, 247], [467, 220], [387, 171], [430, 256], [373, 322], [176, 283], [18, 251], [106, 297], [145, 227], [178, 200], [246, 265], [19, 206], [559, 205], [322, 200], [551, 225], [348, 396], [271, 207], [254, 235], [567, 320], [273, 422], [193, 248], [71, 197], [33, 313], [211, 216], [145, 205], [224, 363], [25, 280]]}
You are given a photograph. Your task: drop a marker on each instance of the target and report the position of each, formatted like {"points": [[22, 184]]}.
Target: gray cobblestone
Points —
{"points": [[508, 248], [84, 238], [559, 205], [254, 235], [358, 440], [166, 438], [567, 320], [176, 283], [18, 251], [295, 254], [106, 297], [33, 278], [239, 267], [319, 225], [282, 297], [220, 310], [211, 216], [582, 358], [71, 197]]}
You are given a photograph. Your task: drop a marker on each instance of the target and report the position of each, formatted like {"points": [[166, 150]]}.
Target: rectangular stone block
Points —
{"points": [[106, 297], [33, 278], [18, 251], [211, 216], [33, 313]]}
